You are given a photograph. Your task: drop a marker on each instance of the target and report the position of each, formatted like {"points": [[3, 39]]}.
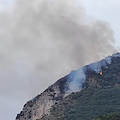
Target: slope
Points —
{"points": [[100, 95]]}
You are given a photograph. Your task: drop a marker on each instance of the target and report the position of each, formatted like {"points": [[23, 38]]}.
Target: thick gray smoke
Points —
{"points": [[43, 40]]}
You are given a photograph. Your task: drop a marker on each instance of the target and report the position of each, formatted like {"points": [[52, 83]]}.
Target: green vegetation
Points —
{"points": [[113, 116], [100, 95], [93, 103]]}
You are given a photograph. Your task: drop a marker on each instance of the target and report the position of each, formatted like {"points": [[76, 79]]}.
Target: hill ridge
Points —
{"points": [[73, 82]]}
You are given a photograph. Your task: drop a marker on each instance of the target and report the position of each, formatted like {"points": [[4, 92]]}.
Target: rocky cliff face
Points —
{"points": [[40, 105]]}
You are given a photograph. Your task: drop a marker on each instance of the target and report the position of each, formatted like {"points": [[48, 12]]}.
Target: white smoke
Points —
{"points": [[43, 40], [77, 78]]}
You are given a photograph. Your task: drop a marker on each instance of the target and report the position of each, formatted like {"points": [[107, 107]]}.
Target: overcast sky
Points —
{"points": [[41, 42], [107, 10]]}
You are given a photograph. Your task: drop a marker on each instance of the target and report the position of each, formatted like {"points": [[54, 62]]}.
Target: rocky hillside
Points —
{"points": [[89, 86], [41, 104], [100, 95]]}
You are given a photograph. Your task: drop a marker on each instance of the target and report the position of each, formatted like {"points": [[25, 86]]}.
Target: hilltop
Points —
{"points": [[83, 94]]}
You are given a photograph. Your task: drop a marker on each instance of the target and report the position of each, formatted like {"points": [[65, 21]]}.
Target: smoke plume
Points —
{"points": [[43, 40]]}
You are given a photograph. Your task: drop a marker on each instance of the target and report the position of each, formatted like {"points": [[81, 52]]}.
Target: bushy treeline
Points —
{"points": [[113, 116]]}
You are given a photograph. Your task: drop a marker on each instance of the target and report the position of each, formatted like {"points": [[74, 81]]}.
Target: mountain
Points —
{"points": [[83, 94]]}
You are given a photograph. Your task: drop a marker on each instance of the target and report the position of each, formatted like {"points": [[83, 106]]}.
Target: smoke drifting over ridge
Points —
{"points": [[43, 40]]}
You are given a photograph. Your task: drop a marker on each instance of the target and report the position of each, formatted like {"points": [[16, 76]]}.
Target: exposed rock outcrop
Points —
{"points": [[40, 105]]}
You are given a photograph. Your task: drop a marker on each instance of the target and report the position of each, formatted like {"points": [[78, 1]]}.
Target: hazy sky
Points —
{"points": [[43, 41], [107, 10]]}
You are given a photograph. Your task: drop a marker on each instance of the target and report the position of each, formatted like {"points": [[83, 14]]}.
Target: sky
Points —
{"points": [[43, 41], [107, 10], [6, 4]]}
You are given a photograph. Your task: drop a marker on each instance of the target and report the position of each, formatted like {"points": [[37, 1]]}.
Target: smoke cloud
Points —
{"points": [[43, 40]]}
